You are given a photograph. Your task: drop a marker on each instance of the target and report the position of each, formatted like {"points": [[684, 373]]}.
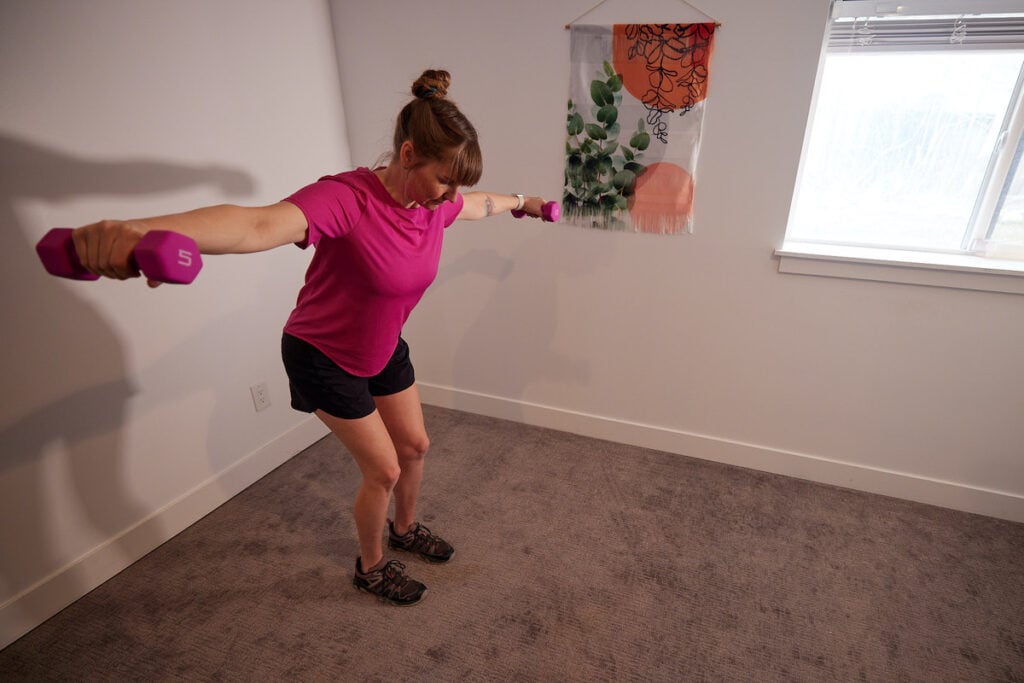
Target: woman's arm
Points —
{"points": [[476, 205], [105, 248]]}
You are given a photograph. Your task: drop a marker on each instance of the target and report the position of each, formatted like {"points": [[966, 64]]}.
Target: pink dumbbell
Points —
{"points": [[161, 255], [550, 212]]}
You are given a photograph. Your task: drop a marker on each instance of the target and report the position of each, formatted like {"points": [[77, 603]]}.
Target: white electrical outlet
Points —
{"points": [[260, 396]]}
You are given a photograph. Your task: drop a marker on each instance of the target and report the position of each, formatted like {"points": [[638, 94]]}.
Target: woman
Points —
{"points": [[378, 237]]}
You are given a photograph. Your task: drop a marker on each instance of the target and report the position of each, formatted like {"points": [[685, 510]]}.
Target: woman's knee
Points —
{"points": [[413, 449], [384, 477]]}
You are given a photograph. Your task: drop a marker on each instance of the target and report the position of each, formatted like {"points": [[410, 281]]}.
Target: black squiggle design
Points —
{"points": [[676, 55]]}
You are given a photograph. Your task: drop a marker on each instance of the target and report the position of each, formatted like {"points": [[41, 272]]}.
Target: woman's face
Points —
{"points": [[428, 182], [429, 185]]}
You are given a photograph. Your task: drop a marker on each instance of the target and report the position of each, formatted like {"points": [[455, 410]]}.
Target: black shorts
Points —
{"points": [[317, 383]]}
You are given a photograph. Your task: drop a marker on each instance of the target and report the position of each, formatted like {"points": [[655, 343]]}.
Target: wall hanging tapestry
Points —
{"points": [[636, 106]]}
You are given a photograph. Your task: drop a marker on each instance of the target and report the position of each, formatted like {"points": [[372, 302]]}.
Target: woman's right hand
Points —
{"points": [[105, 248]]}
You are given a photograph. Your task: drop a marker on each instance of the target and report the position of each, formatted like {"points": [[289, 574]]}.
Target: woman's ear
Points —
{"points": [[407, 155]]}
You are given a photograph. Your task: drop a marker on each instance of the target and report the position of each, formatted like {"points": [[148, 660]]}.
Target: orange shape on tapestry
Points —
{"points": [[663, 194], [665, 66]]}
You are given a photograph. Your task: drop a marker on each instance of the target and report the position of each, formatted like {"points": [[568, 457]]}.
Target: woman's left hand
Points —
{"points": [[536, 207]]}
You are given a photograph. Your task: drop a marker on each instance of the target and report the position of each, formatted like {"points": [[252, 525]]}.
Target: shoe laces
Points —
{"points": [[393, 579], [422, 536]]}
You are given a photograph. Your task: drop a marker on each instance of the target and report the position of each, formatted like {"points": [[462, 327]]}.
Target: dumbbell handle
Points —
{"points": [[161, 255], [550, 212]]}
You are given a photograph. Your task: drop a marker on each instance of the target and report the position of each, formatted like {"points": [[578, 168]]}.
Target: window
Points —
{"points": [[913, 152]]}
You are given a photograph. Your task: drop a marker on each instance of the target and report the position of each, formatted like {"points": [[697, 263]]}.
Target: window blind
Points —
{"points": [[947, 24]]}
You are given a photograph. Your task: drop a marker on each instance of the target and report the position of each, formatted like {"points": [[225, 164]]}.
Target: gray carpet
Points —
{"points": [[577, 560]]}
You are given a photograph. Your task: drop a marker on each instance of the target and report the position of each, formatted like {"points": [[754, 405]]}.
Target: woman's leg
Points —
{"points": [[402, 415], [370, 443]]}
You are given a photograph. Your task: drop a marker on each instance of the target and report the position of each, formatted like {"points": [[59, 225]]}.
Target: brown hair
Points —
{"points": [[438, 130]]}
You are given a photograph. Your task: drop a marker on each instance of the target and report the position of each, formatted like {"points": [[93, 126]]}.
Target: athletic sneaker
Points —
{"points": [[419, 540], [389, 583]]}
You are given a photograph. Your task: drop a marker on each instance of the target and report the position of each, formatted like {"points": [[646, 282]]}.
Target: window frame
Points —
{"points": [[966, 269]]}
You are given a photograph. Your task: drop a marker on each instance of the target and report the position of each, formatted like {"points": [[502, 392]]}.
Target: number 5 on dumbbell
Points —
{"points": [[161, 255]]}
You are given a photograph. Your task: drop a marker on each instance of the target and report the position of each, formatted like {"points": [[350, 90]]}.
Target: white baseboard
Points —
{"points": [[39, 602], [954, 495]]}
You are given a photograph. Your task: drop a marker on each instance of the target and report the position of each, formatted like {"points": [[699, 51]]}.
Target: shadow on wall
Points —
{"points": [[64, 370], [507, 348]]}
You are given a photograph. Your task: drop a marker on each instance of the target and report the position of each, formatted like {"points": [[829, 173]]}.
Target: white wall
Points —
{"points": [[126, 412], [693, 344]]}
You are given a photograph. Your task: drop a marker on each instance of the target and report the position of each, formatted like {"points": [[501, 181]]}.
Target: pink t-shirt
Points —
{"points": [[374, 260]]}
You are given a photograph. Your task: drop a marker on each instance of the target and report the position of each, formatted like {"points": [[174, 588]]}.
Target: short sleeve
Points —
{"points": [[452, 210], [331, 206]]}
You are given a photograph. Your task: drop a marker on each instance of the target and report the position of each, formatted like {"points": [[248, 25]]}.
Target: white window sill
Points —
{"points": [[958, 271]]}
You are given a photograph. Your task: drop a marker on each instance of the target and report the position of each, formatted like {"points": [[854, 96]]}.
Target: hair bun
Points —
{"points": [[432, 85]]}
